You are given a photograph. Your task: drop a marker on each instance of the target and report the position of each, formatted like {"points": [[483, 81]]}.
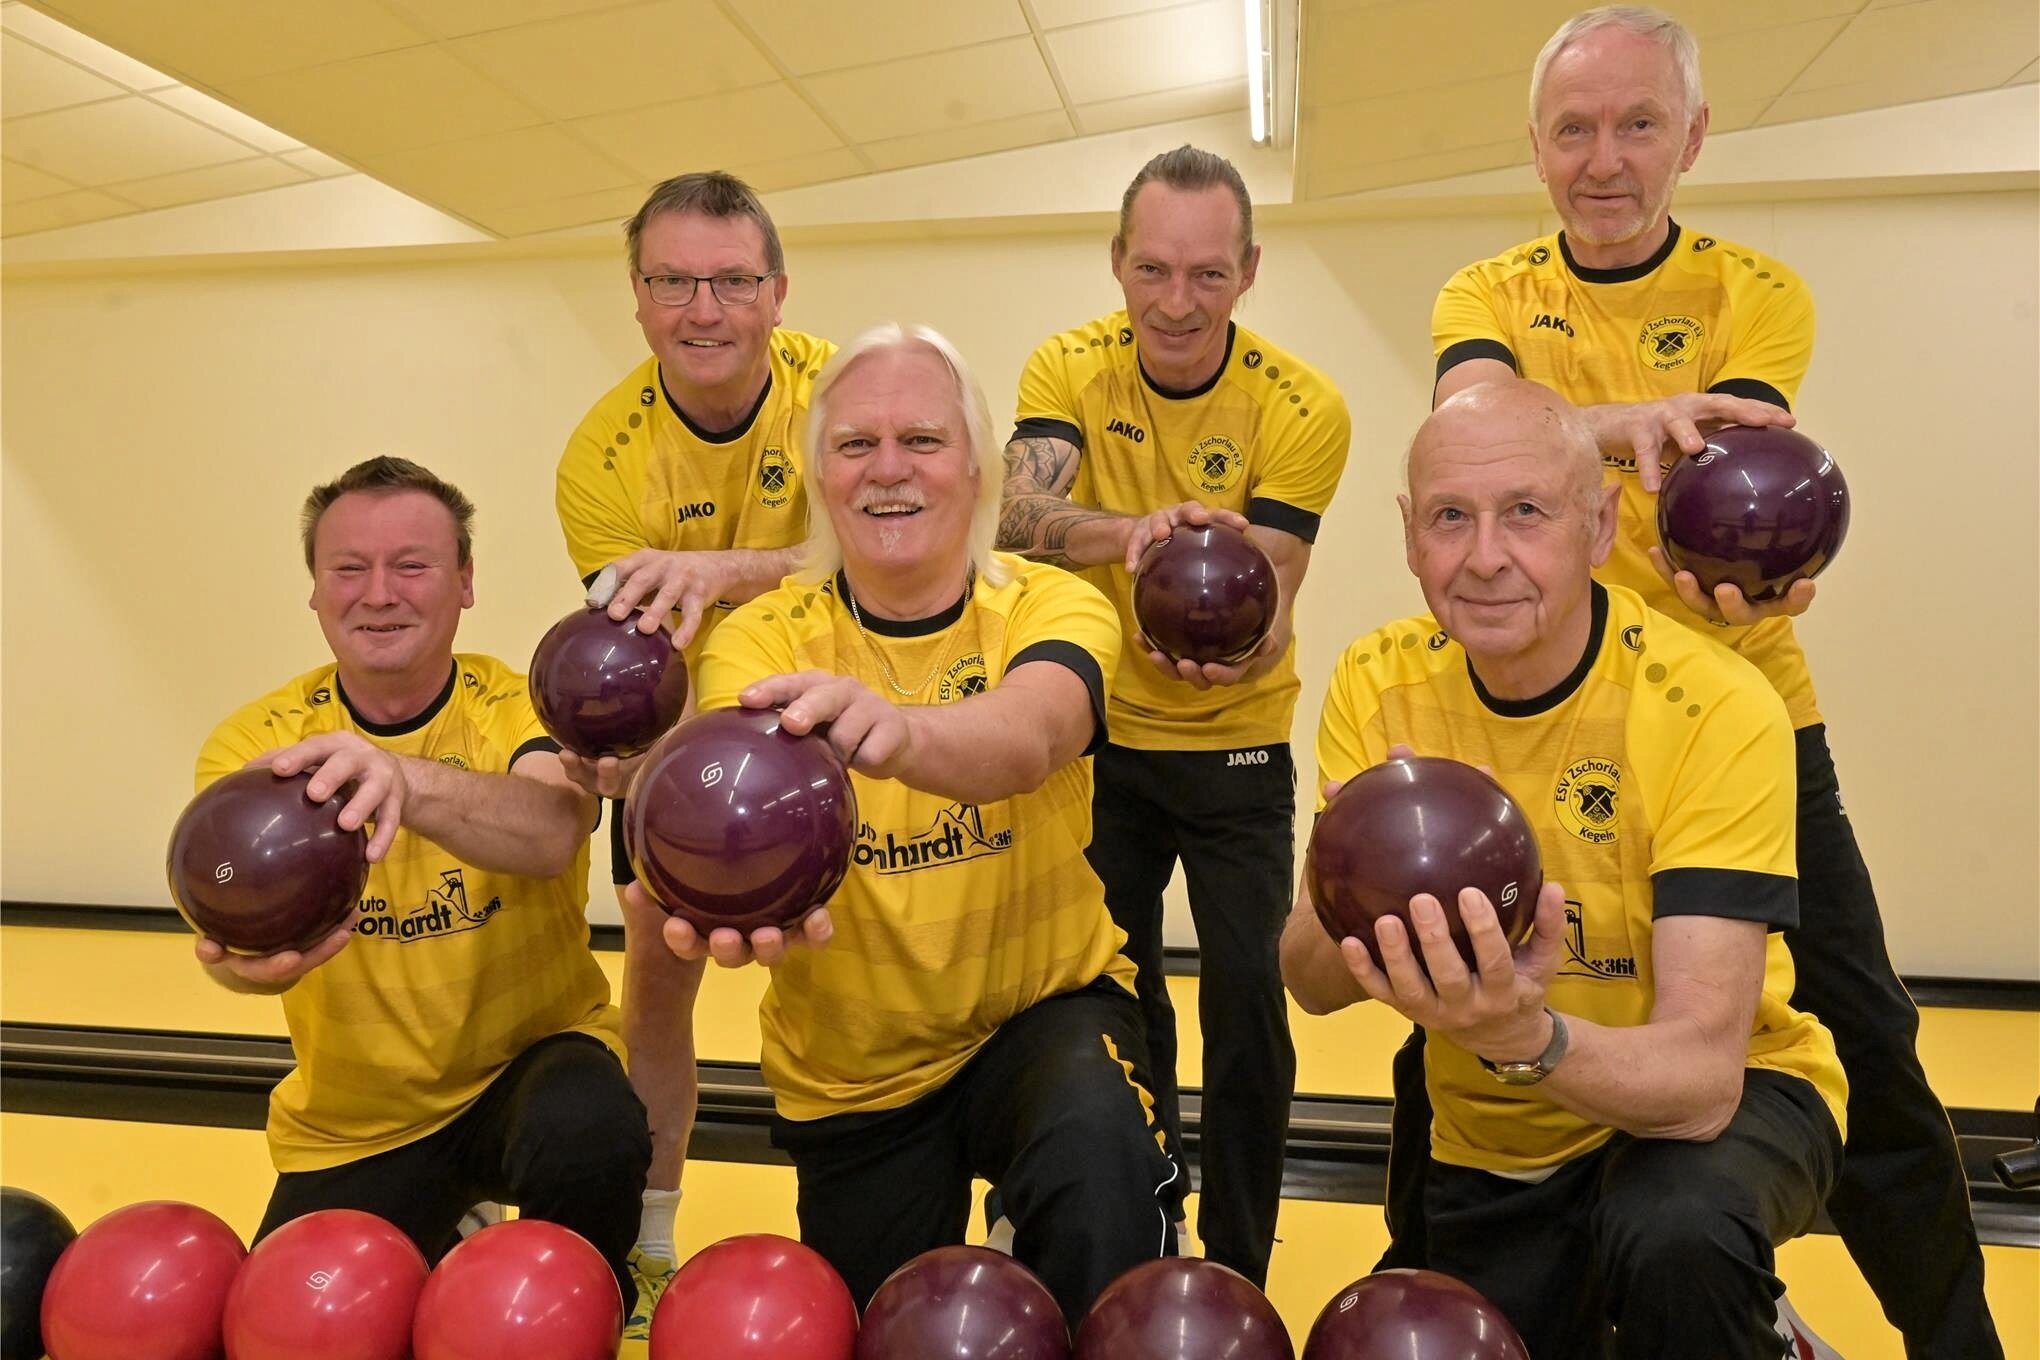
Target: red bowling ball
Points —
{"points": [[1205, 594], [733, 821], [1760, 507], [757, 1297], [1182, 1308], [148, 1282], [963, 1303], [1423, 825], [1412, 1315], [337, 1284], [603, 688], [258, 866], [525, 1287]]}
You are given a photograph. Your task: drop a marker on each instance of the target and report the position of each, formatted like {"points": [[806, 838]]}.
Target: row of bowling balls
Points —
{"points": [[169, 1281], [763, 1297]]}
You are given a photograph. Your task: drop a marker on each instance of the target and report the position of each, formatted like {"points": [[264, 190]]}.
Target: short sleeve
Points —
{"points": [[1302, 466], [1057, 607], [1731, 792], [1045, 395], [1771, 342], [596, 513], [1464, 324], [235, 742], [1350, 735]]}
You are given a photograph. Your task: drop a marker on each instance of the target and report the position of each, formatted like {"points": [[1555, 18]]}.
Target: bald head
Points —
{"points": [[1517, 416]]}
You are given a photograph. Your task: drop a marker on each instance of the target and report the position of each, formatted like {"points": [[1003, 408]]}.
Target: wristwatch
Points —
{"points": [[1534, 1070]]}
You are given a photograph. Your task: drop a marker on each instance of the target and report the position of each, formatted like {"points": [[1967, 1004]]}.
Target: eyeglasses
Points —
{"points": [[677, 290]]}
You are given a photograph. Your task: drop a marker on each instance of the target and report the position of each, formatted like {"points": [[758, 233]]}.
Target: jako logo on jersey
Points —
{"points": [[1632, 637], [1216, 464], [321, 695], [957, 834], [445, 912], [1127, 428], [1540, 254], [645, 396], [1545, 321], [1586, 798], [693, 510], [1258, 756], [1670, 342], [776, 479]]}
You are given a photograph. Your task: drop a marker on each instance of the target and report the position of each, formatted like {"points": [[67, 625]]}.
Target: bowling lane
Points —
{"points": [[147, 980], [89, 1167]]}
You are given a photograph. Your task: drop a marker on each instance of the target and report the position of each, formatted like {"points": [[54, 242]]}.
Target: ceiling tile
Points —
{"points": [[457, 18], [1164, 50], [1979, 41], [218, 42], [604, 63], [1359, 178], [767, 123], [317, 164], [1064, 13], [20, 182], [1759, 65], [34, 81], [503, 169], [1413, 44], [612, 206], [1165, 106], [819, 168], [214, 181], [824, 35], [950, 144], [937, 92], [1732, 115], [1712, 18], [2027, 76], [90, 53], [384, 103], [63, 210], [225, 118], [126, 138]]}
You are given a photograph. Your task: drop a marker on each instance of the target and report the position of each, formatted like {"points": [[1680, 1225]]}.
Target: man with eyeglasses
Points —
{"points": [[685, 480]]}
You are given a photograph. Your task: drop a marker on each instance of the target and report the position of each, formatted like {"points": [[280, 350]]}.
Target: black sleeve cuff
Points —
{"points": [[1041, 427], [1455, 355], [620, 871], [1280, 515], [1085, 665], [535, 744], [1738, 894], [1753, 390]]}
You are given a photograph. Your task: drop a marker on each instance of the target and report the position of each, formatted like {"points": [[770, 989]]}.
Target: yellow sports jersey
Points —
{"points": [[637, 473], [453, 971], [1659, 778], [1266, 436], [954, 917], [1701, 315]]}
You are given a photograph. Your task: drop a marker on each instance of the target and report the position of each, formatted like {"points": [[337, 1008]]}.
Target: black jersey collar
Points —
{"points": [[403, 725], [1174, 394], [1628, 272], [729, 436], [934, 623], [1564, 689]]}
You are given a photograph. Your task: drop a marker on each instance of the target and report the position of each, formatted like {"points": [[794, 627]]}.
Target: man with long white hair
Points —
{"points": [[970, 1013], [1659, 334]]}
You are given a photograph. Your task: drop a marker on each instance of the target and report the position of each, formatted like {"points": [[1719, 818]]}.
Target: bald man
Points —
{"points": [[1628, 1113]]}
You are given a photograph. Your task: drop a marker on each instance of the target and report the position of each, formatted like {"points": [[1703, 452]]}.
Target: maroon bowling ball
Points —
{"points": [[1422, 825], [1412, 1315], [1760, 507], [1182, 1308], [257, 865], [602, 688], [734, 821], [963, 1303], [1205, 593]]}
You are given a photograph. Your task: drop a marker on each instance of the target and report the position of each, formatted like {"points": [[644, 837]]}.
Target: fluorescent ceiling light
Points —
{"points": [[1260, 73]]}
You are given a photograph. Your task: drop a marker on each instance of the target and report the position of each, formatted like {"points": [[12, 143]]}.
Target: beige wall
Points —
{"points": [[160, 427]]}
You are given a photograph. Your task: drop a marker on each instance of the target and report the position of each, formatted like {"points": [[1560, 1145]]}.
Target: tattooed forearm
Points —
{"points": [[1039, 528], [1040, 465]]}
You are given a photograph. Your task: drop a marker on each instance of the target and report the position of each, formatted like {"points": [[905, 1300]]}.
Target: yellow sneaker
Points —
{"points": [[651, 1274]]}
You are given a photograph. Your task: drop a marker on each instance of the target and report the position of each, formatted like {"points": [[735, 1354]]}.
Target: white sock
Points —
{"points": [[655, 1226]]}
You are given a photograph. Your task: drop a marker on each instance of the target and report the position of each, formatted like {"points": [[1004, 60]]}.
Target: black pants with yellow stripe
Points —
{"points": [[1055, 1109], [1230, 817], [560, 1134], [1901, 1201]]}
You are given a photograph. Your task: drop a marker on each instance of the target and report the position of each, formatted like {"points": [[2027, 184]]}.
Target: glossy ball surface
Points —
{"points": [[1412, 1315], [755, 1297], [1760, 507], [525, 1287], [1205, 594], [1182, 1308], [148, 1282], [603, 688], [336, 1284], [963, 1303], [257, 865]]}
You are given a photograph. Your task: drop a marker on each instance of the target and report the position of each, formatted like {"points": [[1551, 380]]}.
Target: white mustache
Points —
{"points": [[889, 498]]}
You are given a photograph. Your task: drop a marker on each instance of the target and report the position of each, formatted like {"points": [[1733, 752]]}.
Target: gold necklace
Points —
{"points": [[886, 666]]}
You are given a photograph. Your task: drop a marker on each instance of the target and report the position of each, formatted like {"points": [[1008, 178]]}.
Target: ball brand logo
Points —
{"points": [[225, 873], [1350, 1302], [711, 774], [1509, 896], [1703, 459], [318, 1279]]}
